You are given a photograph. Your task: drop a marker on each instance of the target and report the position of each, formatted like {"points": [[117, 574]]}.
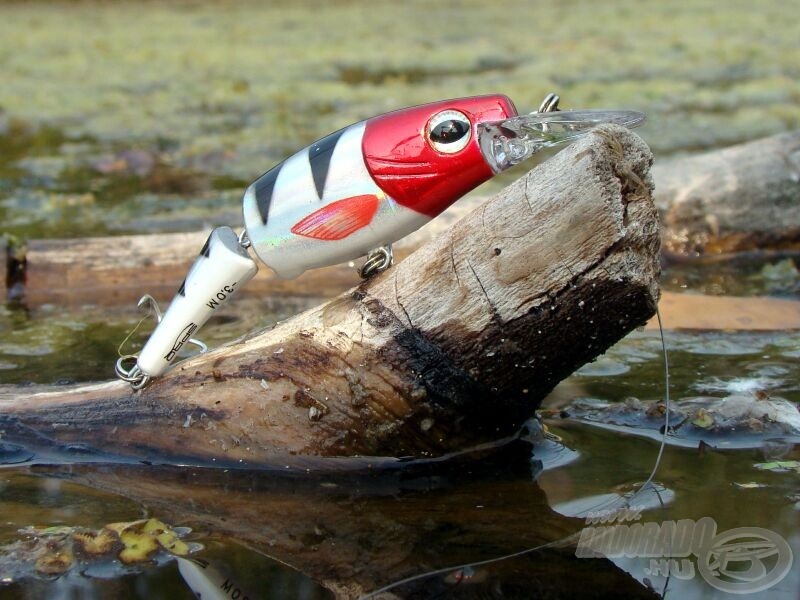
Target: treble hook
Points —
{"points": [[133, 374]]}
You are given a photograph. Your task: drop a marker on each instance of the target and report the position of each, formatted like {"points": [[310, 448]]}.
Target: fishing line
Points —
{"points": [[575, 536], [666, 405], [127, 337]]}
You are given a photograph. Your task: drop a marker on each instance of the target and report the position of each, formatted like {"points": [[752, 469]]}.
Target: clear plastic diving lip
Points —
{"points": [[509, 142]]}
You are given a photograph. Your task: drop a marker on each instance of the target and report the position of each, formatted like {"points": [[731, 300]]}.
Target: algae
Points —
{"points": [[215, 94]]}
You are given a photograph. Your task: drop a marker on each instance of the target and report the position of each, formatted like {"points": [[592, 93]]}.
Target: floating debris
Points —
{"points": [[56, 559], [702, 419], [779, 466], [743, 421], [138, 547], [94, 543], [53, 551]]}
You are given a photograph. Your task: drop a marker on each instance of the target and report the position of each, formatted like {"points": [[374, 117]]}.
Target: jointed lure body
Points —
{"points": [[355, 191]]}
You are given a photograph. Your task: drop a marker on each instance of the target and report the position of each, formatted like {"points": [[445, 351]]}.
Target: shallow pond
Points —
{"points": [[118, 119], [282, 533]]}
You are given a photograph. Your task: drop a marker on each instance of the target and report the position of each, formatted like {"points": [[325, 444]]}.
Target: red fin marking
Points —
{"points": [[338, 219]]}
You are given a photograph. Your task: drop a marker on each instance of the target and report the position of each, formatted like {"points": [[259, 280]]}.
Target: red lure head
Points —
{"points": [[426, 157]]}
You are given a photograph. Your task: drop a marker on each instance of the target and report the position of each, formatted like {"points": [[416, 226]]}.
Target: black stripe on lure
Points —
{"points": [[357, 190]]}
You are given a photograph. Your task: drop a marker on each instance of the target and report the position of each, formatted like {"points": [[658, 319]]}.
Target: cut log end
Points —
{"points": [[453, 347]]}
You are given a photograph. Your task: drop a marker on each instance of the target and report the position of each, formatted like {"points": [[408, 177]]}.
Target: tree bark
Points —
{"points": [[453, 347], [733, 200], [745, 197]]}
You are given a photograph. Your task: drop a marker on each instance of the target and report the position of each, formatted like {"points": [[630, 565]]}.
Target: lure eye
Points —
{"points": [[449, 131]]}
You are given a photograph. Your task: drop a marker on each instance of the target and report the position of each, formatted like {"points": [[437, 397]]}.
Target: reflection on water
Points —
{"points": [[751, 274], [351, 533], [312, 536]]}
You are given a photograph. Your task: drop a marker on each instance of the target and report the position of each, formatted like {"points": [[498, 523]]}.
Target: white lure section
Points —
{"points": [[221, 269], [326, 174], [208, 583]]}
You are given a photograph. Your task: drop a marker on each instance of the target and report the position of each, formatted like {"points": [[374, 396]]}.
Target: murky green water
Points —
{"points": [[118, 118], [112, 117], [253, 525]]}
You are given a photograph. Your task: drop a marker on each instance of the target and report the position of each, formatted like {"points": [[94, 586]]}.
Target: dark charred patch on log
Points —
{"points": [[446, 400], [381, 317], [528, 365]]}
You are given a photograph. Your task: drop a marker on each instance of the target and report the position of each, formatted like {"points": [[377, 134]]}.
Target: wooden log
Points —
{"points": [[741, 198], [453, 347], [727, 201], [120, 269]]}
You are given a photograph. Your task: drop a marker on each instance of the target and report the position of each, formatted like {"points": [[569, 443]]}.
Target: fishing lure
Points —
{"points": [[352, 194]]}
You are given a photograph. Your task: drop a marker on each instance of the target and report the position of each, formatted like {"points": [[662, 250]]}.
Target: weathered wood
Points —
{"points": [[741, 198], [453, 347], [732, 200]]}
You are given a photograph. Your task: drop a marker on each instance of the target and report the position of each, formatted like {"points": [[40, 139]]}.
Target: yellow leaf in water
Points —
{"points": [[702, 419], [126, 526], [138, 547], [154, 527], [57, 559], [93, 544], [168, 539], [171, 543]]}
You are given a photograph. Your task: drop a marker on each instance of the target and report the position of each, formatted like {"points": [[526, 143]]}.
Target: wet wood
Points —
{"points": [[712, 206], [738, 199], [453, 347]]}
